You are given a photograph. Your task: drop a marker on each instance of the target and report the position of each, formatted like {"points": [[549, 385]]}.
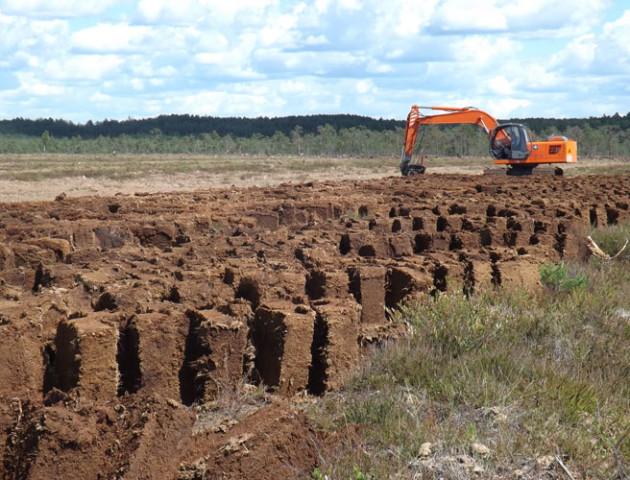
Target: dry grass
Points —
{"points": [[232, 404], [49, 166], [599, 166], [29, 167]]}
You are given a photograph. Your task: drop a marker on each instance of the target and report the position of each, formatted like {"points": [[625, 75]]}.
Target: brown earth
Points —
{"points": [[125, 320]]}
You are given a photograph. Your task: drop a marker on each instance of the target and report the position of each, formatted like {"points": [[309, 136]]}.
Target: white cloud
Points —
{"points": [[234, 59], [81, 67], [110, 38], [223, 103], [482, 51], [501, 86], [57, 8], [214, 11], [601, 55], [22, 35], [275, 57], [408, 19], [281, 32], [365, 86], [210, 41], [30, 85], [378, 68], [165, 11], [618, 32], [578, 55], [137, 84], [469, 16], [505, 107], [312, 40], [613, 50], [243, 8], [542, 77], [322, 5], [349, 4], [333, 64], [532, 18], [100, 98]]}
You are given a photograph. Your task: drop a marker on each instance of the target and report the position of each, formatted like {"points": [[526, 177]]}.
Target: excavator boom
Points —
{"points": [[453, 117]]}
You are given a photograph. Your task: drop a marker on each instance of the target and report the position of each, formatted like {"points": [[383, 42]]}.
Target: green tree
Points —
{"points": [[327, 139], [45, 138], [297, 139]]}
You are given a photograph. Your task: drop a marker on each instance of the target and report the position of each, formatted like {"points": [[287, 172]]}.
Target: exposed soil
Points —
{"points": [[124, 318], [26, 191]]}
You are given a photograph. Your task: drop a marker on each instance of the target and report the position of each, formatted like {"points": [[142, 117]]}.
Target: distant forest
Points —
{"points": [[292, 135]]}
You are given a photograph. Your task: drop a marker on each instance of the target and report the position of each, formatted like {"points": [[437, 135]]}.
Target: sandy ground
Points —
{"points": [[25, 191], [22, 191]]}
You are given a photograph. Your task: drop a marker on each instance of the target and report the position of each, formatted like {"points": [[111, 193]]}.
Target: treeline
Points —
{"points": [[181, 125], [242, 127], [326, 141], [610, 121], [298, 135]]}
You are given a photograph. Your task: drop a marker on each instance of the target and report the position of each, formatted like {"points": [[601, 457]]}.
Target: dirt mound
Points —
{"points": [[120, 313]]}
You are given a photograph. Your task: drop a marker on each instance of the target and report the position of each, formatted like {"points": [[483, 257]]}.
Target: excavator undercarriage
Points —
{"points": [[522, 171]]}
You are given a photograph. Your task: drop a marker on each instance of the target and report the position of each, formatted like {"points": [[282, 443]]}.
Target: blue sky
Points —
{"points": [[83, 60]]}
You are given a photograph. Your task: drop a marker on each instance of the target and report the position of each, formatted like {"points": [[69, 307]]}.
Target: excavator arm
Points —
{"points": [[452, 116]]}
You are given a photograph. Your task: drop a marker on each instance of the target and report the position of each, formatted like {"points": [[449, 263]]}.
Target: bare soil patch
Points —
{"points": [[126, 316]]}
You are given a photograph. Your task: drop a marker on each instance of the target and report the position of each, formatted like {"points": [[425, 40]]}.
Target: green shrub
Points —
{"points": [[556, 276]]}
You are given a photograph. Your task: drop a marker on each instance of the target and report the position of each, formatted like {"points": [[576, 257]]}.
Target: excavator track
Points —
{"points": [[523, 171]]}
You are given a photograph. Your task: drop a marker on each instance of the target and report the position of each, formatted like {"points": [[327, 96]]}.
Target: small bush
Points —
{"points": [[556, 276]]}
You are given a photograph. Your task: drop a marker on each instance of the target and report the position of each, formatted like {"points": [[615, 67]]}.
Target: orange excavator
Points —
{"points": [[509, 144]]}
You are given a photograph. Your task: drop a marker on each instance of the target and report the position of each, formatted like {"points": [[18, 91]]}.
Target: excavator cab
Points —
{"points": [[510, 142]]}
